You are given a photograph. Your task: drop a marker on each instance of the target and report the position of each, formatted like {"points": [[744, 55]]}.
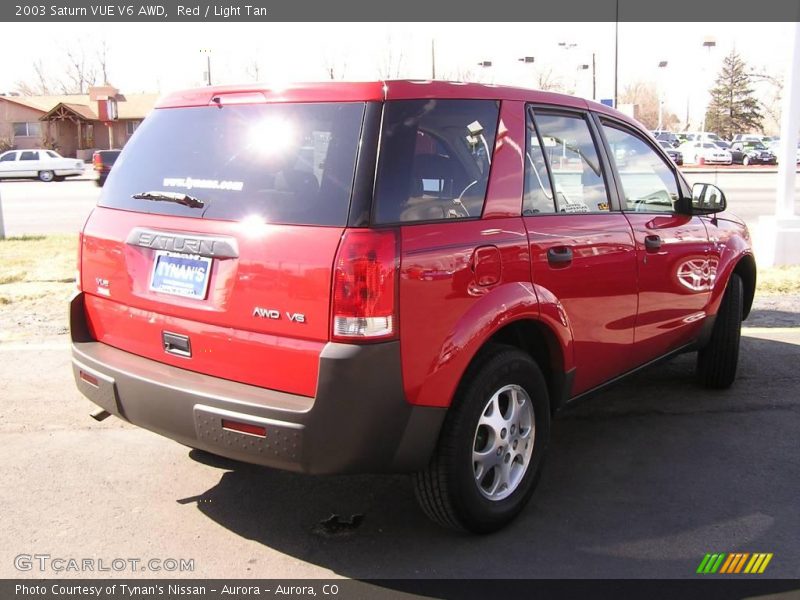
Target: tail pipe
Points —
{"points": [[100, 414]]}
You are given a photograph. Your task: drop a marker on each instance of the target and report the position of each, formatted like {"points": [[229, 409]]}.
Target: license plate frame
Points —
{"points": [[166, 281]]}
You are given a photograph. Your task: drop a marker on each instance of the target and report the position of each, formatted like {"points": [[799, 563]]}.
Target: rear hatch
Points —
{"points": [[213, 243]]}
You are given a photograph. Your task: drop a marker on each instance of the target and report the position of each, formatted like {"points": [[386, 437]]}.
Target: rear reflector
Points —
{"points": [[90, 379], [247, 428], [365, 285]]}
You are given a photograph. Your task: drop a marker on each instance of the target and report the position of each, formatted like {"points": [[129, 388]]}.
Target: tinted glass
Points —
{"points": [[29, 155], [434, 159], [570, 149], [8, 156], [648, 183], [538, 198], [283, 163]]}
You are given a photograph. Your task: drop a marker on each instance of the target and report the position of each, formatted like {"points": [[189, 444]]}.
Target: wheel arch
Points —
{"points": [[746, 269]]}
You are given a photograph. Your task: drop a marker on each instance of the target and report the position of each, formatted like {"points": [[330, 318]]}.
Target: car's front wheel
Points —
{"points": [[746, 161], [46, 176], [492, 444], [718, 360]]}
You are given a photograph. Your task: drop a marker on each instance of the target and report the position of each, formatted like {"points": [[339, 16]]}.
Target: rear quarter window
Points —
{"points": [[434, 159]]}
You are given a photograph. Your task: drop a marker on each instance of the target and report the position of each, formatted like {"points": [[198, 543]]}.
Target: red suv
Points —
{"points": [[399, 276]]}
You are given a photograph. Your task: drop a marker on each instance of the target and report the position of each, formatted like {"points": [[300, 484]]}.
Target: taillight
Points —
{"points": [[97, 160], [364, 285]]}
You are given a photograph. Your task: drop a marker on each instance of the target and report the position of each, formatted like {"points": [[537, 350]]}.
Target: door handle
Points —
{"points": [[652, 243], [559, 255]]}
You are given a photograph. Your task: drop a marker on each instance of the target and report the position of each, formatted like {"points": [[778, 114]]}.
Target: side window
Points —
{"points": [[538, 198], [29, 155], [648, 182], [435, 158], [8, 156], [577, 175]]}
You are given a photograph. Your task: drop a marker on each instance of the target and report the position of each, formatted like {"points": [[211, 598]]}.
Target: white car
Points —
{"points": [[703, 153], [47, 165]]}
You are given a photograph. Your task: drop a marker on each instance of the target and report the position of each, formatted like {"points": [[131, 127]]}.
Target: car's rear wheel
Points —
{"points": [[492, 444], [46, 176], [718, 360]]}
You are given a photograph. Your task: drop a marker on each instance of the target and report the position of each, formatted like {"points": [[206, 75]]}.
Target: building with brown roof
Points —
{"points": [[73, 124]]}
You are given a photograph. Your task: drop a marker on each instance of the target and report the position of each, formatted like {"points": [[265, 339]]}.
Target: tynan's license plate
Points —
{"points": [[181, 274]]}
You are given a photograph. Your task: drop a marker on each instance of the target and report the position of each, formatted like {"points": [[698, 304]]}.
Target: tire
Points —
{"points": [[717, 361], [46, 176], [746, 161], [458, 491]]}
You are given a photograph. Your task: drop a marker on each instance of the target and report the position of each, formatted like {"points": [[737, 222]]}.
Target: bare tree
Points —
{"points": [[390, 64], [548, 81], [81, 73], [253, 69], [80, 70], [41, 84], [644, 97], [102, 61], [771, 92]]}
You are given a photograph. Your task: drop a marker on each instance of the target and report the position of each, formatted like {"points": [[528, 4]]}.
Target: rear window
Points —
{"points": [[435, 158], [283, 163]]}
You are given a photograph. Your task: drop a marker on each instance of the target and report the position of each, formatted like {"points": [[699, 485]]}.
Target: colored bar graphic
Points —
{"points": [[740, 564], [726, 566], [765, 563], [733, 563]]}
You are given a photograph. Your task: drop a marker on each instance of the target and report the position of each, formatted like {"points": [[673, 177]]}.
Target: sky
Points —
{"points": [[160, 57]]}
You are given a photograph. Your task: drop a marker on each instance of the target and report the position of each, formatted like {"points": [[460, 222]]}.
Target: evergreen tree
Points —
{"points": [[733, 107]]}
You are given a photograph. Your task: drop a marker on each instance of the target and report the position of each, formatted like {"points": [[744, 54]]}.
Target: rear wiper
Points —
{"points": [[177, 198]]}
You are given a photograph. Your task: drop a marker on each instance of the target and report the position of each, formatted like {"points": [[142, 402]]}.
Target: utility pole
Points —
{"points": [[433, 58], [616, 53]]}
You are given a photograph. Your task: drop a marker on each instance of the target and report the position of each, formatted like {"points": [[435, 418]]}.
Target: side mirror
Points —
{"points": [[707, 199]]}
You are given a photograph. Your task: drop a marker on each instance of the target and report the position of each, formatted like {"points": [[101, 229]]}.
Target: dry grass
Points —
{"points": [[37, 276], [779, 280]]}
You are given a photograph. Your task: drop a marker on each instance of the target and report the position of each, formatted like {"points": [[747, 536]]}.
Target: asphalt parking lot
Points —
{"points": [[641, 482]]}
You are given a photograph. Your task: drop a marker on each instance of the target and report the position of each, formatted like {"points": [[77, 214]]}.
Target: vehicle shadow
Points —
{"points": [[640, 482]]}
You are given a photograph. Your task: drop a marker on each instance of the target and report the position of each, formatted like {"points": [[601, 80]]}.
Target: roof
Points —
{"points": [[129, 106], [405, 89]]}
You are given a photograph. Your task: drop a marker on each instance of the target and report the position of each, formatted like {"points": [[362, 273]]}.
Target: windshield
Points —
{"points": [[281, 163]]}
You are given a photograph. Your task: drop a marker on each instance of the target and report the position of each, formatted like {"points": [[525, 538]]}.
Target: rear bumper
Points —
{"points": [[359, 420]]}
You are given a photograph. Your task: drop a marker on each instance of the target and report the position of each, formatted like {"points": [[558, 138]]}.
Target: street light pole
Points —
{"points": [[528, 60], [207, 52], [661, 65], [708, 43]]}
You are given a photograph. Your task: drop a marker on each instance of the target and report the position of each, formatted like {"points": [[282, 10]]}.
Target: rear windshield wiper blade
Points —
{"points": [[177, 198]]}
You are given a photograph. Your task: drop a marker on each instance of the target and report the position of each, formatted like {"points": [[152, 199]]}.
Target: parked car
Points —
{"points": [[704, 153], [343, 279], [753, 153], [747, 138], [673, 153], [47, 165], [774, 147], [103, 160], [667, 136], [702, 136]]}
